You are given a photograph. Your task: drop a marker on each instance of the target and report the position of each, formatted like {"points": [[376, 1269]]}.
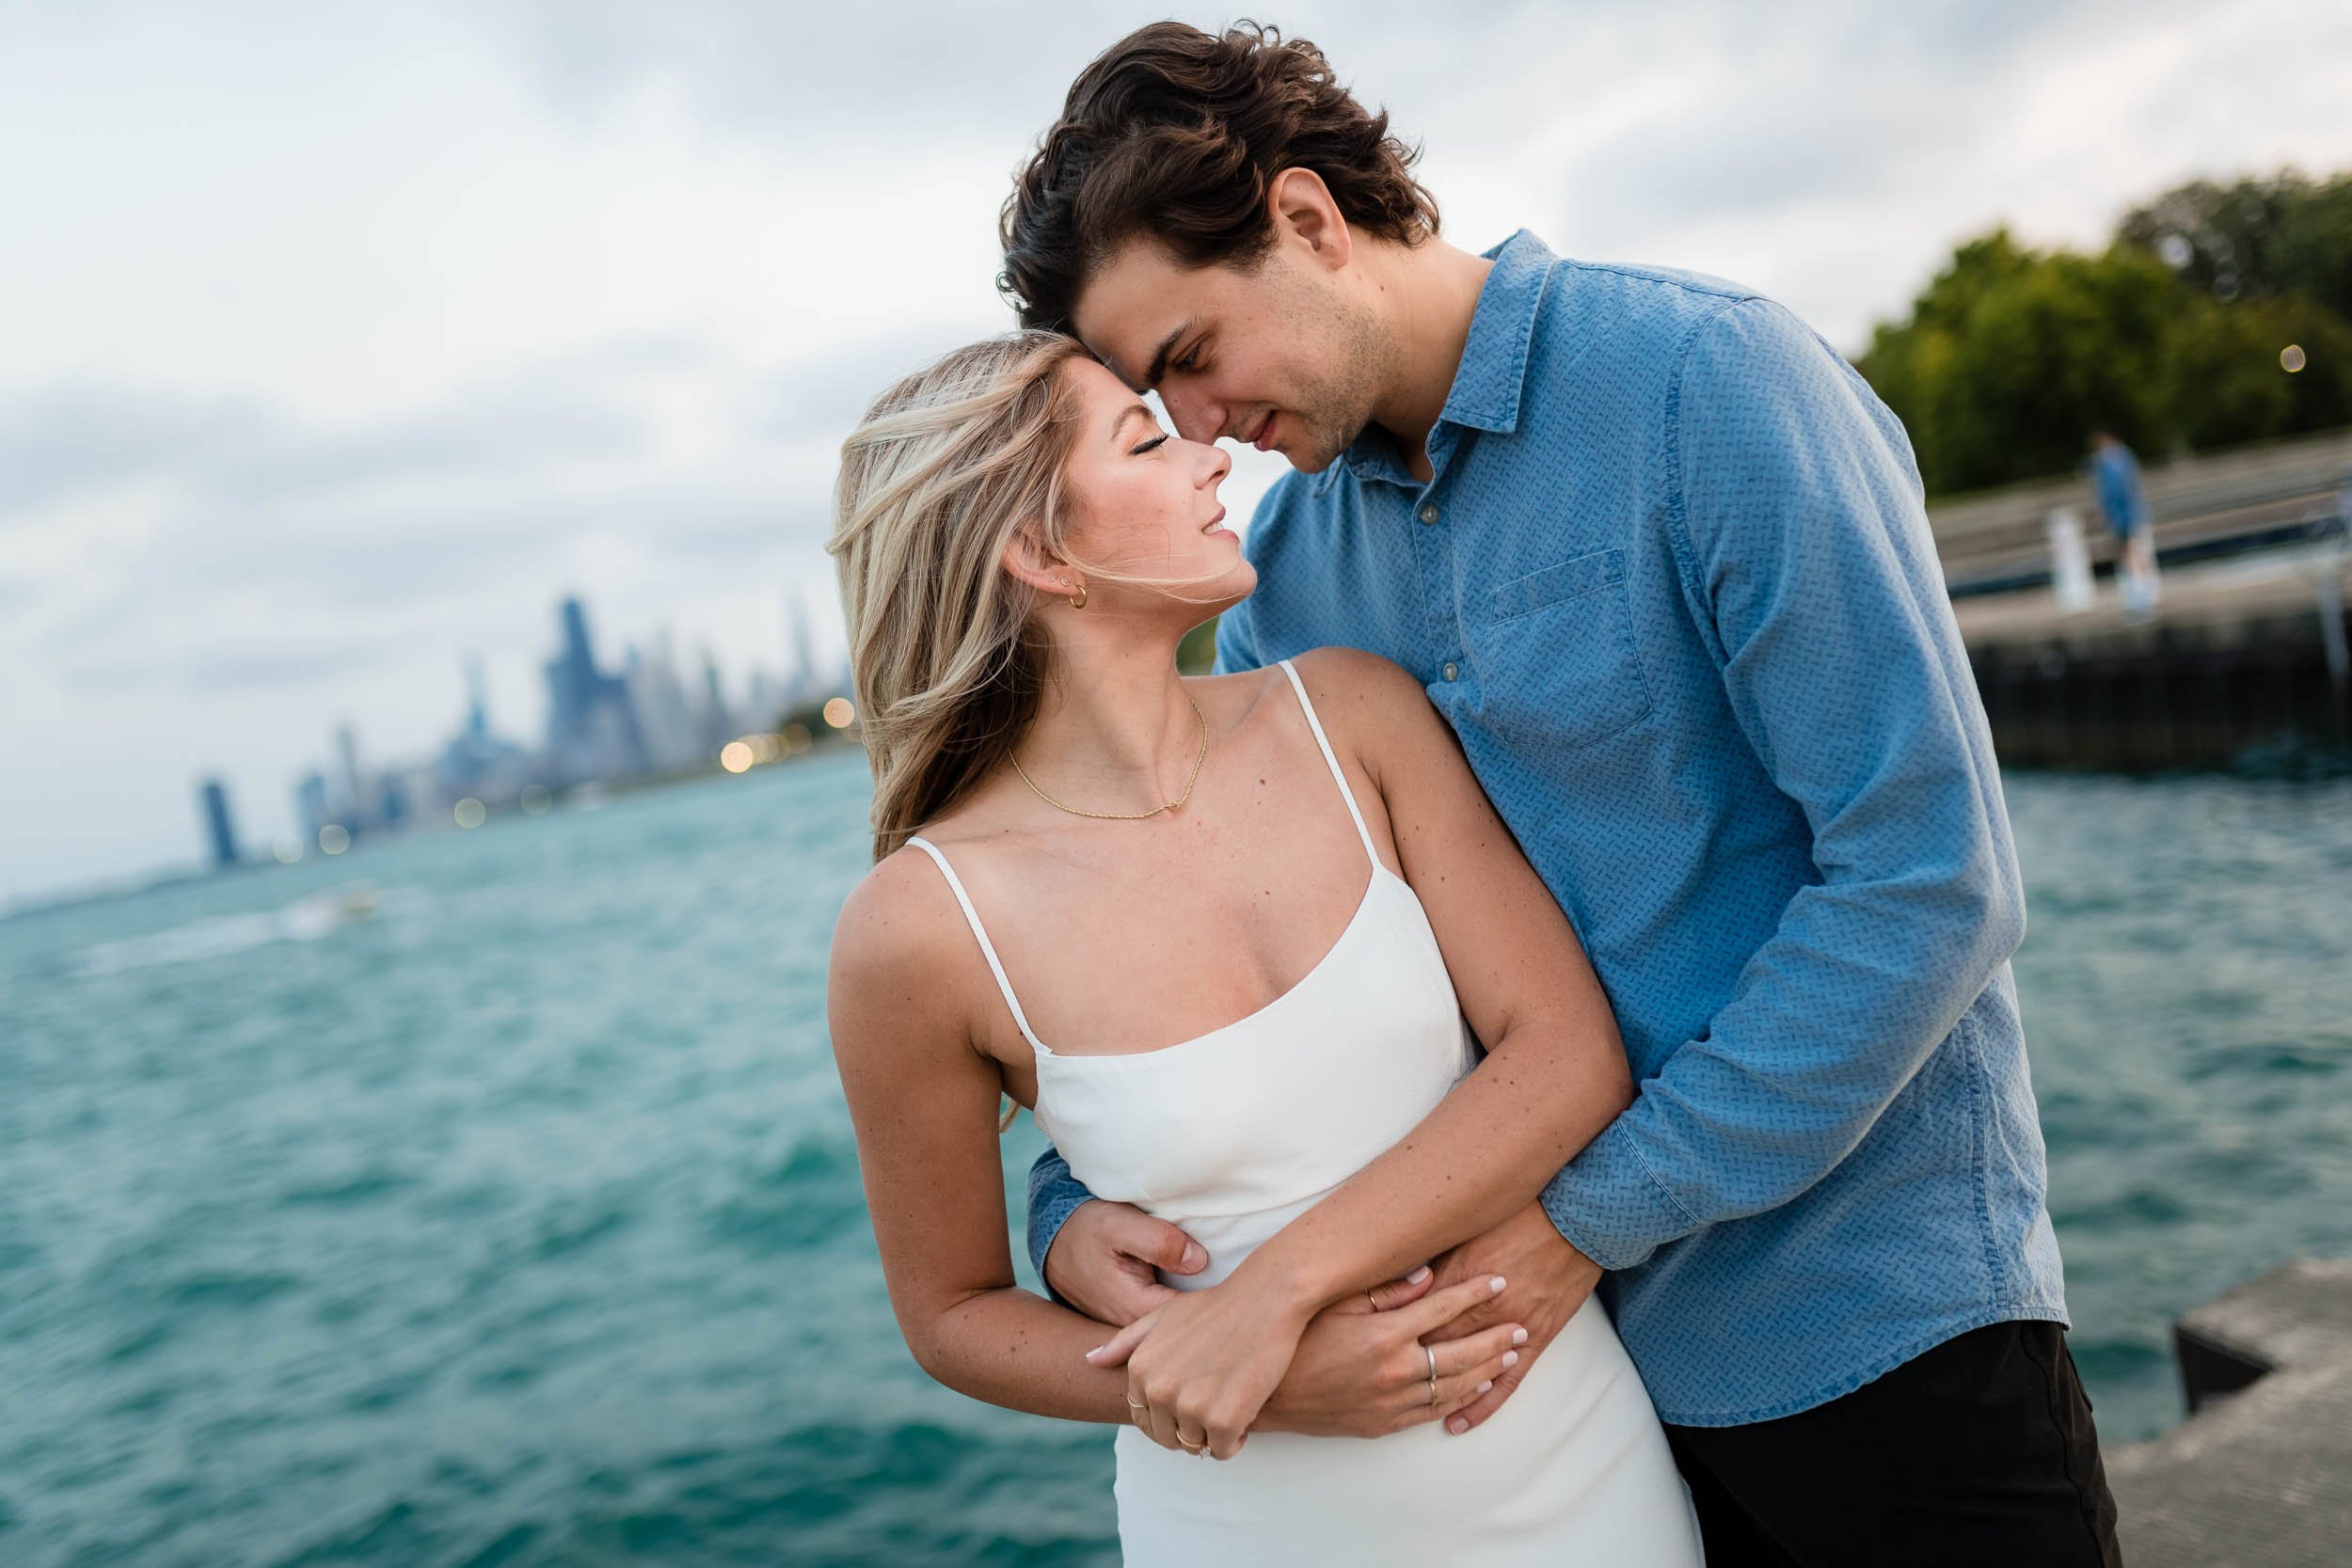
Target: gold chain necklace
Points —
{"points": [[1129, 816]]}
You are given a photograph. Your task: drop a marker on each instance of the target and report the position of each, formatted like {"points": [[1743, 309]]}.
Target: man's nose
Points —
{"points": [[1196, 418]]}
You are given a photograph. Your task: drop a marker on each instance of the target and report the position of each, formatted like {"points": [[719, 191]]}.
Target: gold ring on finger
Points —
{"points": [[1432, 1351]]}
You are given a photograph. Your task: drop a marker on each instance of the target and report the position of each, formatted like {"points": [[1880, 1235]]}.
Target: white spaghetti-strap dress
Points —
{"points": [[1231, 1134]]}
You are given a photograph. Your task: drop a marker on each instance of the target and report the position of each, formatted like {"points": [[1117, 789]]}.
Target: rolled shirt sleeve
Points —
{"points": [[1796, 517], [1054, 1194]]}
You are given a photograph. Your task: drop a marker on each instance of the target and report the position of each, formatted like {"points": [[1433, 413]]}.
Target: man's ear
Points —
{"points": [[1303, 213], [1027, 560]]}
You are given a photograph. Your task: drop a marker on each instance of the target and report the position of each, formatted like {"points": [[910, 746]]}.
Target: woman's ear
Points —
{"points": [[1027, 560]]}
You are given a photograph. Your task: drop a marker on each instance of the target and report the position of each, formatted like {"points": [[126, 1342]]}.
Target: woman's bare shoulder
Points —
{"points": [[1351, 686], [1343, 673], [899, 921]]}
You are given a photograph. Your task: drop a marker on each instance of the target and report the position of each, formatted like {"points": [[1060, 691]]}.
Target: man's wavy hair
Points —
{"points": [[1177, 134]]}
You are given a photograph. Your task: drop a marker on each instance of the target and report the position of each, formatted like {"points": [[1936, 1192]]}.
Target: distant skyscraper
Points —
{"points": [[803, 674], [475, 762], [214, 796], [355, 803], [663, 710], [311, 806], [477, 704], [717, 723], [591, 725]]}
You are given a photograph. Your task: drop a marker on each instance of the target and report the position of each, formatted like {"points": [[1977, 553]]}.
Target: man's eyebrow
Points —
{"points": [[1124, 415], [1159, 358]]}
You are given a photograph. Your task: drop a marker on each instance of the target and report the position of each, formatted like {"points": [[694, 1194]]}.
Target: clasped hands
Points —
{"points": [[1206, 1368]]}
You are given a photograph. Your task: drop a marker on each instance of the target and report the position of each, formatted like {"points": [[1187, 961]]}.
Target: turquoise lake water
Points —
{"points": [[519, 1222]]}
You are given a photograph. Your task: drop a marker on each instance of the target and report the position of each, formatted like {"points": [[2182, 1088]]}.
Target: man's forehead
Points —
{"points": [[1134, 305]]}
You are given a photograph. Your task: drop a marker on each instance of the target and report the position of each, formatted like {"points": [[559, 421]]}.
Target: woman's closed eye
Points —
{"points": [[1149, 445]]}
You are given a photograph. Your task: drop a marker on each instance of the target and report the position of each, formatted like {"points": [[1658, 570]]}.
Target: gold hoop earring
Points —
{"points": [[1078, 600]]}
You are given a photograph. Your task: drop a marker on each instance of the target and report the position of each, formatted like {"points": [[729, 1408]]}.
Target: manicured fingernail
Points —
{"points": [[1518, 1336], [1196, 1258], [1457, 1426], [1417, 1275], [1096, 1351], [1483, 1386], [1510, 1358], [1496, 1284]]}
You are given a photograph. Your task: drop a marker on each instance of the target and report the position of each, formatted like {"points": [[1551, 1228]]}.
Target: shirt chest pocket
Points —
{"points": [[1557, 655]]}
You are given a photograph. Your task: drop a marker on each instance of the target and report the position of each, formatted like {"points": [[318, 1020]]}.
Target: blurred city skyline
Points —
{"points": [[364, 337]]}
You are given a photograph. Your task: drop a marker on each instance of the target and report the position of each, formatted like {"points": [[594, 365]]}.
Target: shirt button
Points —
{"points": [[1429, 514], [1450, 671]]}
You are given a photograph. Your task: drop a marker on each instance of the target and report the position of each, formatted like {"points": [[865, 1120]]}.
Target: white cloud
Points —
{"points": [[365, 332]]}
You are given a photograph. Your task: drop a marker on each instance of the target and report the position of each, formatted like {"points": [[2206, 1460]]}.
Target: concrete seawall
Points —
{"points": [[2260, 1476], [2247, 643]]}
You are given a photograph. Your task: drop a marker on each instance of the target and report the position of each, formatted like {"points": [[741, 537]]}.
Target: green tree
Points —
{"points": [[2255, 239], [2322, 390], [2012, 356], [2179, 333], [2227, 384]]}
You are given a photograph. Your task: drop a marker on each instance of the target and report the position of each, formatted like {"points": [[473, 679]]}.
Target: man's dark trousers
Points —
{"points": [[1979, 1453]]}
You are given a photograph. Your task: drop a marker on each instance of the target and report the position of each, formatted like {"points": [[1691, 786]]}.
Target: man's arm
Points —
{"points": [[1807, 556]]}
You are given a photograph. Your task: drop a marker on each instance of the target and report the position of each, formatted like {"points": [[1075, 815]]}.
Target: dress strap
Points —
{"points": [[1345, 793], [988, 949]]}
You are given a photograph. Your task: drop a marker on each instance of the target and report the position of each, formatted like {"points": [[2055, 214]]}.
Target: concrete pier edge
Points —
{"points": [[2260, 1475]]}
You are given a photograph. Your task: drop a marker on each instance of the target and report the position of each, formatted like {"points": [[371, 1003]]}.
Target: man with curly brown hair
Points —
{"points": [[1659, 556]]}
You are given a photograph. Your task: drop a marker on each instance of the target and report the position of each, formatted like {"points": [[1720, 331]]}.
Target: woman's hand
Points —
{"points": [[1362, 1372], [1200, 1369], [1200, 1366]]}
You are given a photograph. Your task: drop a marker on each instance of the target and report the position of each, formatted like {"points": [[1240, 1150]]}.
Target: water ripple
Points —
{"points": [[516, 1220]]}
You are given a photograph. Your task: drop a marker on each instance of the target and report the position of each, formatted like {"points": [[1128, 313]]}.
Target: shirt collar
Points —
{"points": [[1486, 386], [1486, 394]]}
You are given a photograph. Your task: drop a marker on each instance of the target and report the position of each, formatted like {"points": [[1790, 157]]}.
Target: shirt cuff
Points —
{"points": [[1054, 1196], [1608, 1205]]}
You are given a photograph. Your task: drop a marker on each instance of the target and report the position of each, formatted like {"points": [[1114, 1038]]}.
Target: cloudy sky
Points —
{"points": [[339, 339]]}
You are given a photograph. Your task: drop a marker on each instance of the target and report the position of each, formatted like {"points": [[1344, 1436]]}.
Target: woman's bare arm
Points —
{"points": [[923, 1099], [1556, 1073]]}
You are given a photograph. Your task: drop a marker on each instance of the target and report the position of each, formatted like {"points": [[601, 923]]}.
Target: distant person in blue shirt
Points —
{"points": [[1659, 556], [2115, 474]]}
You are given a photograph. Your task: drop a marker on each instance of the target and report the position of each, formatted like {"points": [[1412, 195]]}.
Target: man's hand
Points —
{"points": [[1102, 1258], [1360, 1371], [1548, 1280]]}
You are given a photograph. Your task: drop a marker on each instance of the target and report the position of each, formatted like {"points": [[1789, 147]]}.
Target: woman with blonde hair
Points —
{"points": [[1235, 941]]}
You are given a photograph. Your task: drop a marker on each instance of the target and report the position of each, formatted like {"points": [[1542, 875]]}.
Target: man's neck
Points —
{"points": [[1429, 294]]}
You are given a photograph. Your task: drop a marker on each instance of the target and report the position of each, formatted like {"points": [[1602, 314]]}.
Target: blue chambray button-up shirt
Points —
{"points": [[1671, 585]]}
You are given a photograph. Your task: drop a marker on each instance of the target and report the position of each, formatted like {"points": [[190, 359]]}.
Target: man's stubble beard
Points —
{"points": [[1337, 404]]}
